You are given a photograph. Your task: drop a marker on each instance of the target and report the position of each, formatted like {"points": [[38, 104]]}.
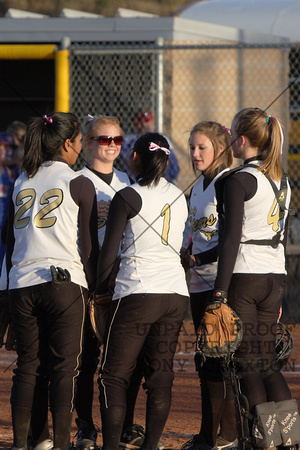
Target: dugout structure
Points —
{"points": [[181, 82], [44, 61]]}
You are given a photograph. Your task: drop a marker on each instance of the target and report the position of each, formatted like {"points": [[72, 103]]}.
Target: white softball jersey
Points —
{"points": [[203, 218], [105, 192], [45, 227], [150, 261], [261, 221]]}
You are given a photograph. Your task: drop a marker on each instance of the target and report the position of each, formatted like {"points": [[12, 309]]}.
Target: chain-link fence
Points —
{"points": [[184, 84]]}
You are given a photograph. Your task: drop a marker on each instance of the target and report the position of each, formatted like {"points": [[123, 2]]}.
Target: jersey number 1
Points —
{"points": [[166, 213]]}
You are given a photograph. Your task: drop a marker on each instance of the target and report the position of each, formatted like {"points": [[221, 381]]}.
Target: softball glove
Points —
{"points": [[220, 332], [99, 306]]}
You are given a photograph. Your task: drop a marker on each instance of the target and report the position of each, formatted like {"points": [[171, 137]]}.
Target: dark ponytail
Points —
{"points": [[45, 137], [151, 165]]}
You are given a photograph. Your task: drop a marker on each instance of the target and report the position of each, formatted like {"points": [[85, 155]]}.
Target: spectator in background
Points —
{"points": [[17, 130], [144, 122], [8, 174]]}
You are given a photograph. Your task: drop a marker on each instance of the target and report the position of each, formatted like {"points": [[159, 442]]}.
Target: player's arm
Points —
{"points": [[125, 205], [9, 238], [83, 192], [207, 257], [238, 188]]}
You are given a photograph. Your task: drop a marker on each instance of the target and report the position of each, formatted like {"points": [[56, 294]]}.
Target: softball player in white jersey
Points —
{"points": [[252, 273], [52, 209], [211, 154], [203, 218], [102, 138], [150, 297], [102, 142], [105, 192]]}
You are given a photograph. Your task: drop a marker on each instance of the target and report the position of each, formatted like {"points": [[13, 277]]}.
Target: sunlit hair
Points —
{"points": [[150, 165], [262, 132], [219, 137], [45, 137], [90, 127]]}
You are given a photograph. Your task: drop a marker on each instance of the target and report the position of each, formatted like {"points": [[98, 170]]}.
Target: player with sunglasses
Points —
{"points": [[107, 140], [102, 139], [102, 143]]}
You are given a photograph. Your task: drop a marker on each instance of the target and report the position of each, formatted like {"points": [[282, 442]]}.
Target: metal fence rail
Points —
{"points": [[183, 84]]}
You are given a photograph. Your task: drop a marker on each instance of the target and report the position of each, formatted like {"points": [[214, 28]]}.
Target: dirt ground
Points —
{"points": [[184, 419]]}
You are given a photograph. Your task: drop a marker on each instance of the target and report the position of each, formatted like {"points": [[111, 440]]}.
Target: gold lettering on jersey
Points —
{"points": [[203, 222], [45, 222], [273, 216], [208, 234], [39, 220], [19, 221], [101, 222], [166, 213]]}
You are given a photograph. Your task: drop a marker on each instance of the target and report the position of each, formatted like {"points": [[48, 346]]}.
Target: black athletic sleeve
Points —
{"points": [[207, 257], [83, 193], [125, 205], [4, 232], [9, 238], [238, 188]]}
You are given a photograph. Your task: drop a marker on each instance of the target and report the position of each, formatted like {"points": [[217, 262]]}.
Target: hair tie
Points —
{"points": [[90, 118], [226, 129], [268, 119], [47, 119], [154, 148]]}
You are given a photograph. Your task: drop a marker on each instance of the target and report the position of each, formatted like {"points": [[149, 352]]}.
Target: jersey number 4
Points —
{"points": [[273, 216], [40, 220]]}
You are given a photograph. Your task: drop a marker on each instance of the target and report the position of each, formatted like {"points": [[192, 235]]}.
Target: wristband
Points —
{"points": [[220, 295]]}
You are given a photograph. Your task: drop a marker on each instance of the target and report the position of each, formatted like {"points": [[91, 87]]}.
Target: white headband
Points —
{"points": [[154, 148]]}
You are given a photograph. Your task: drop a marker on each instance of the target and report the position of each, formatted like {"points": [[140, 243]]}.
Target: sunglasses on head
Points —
{"points": [[106, 140]]}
